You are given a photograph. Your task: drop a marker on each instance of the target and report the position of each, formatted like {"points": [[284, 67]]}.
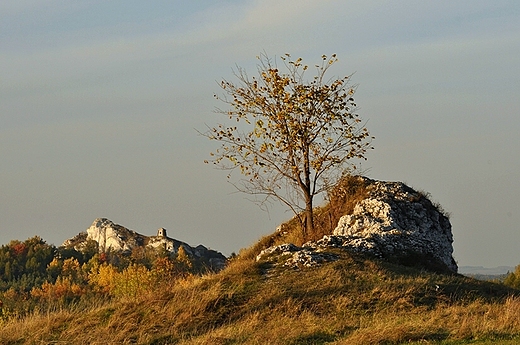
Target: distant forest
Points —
{"points": [[34, 274]]}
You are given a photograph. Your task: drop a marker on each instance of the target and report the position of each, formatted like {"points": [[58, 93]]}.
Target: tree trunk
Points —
{"points": [[309, 219], [309, 222]]}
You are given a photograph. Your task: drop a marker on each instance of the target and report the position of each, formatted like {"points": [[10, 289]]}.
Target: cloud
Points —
{"points": [[222, 31]]}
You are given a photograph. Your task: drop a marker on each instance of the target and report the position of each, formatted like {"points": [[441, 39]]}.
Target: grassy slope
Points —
{"points": [[351, 301]]}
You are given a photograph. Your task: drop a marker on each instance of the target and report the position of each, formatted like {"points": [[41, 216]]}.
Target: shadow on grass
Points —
{"points": [[319, 337]]}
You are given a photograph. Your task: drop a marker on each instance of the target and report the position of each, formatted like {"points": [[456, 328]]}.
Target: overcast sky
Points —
{"points": [[100, 102]]}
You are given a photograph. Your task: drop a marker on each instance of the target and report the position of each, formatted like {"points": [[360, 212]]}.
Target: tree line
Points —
{"points": [[34, 273]]}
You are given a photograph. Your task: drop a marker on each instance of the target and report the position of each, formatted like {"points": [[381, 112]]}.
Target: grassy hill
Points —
{"points": [[355, 300]]}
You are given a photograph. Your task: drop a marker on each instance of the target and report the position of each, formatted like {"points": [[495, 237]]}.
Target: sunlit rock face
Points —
{"points": [[111, 237], [393, 222]]}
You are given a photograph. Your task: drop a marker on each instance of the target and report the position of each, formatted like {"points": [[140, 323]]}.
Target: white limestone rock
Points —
{"points": [[295, 256], [109, 236], [394, 222], [283, 249], [397, 221], [113, 237]]}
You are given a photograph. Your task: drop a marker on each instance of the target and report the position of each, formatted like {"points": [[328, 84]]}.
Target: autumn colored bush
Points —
{"points": [[64, 288], [513, 278]]}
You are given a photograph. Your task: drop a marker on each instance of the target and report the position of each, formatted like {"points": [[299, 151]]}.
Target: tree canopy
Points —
{"points": [[290, 137]]}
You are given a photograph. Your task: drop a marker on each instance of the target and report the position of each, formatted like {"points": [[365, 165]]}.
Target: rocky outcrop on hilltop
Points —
{"points": [[111, 237], [393, 222], [108, 237]]}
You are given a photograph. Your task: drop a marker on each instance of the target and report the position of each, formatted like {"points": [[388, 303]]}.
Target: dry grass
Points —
{"points": [[458, 322], [342, 199], [351, 301]]}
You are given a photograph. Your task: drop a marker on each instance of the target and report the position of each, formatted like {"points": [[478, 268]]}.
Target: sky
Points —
{"points": [[100, 103]]}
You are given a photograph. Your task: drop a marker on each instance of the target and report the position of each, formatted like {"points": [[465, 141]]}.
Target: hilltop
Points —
{"points": [[110, 237], [353, 300], [391, 281]]}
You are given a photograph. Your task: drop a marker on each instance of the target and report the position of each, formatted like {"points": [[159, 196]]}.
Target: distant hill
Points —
{"points": [[109, 236], [480, 270], [486, 273]]}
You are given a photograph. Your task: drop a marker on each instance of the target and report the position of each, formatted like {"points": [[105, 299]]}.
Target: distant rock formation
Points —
{"points": [[394, 222], [114, 237]]}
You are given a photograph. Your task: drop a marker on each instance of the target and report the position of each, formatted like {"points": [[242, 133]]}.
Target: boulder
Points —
{"points": [[396, 223], [294, 256]]}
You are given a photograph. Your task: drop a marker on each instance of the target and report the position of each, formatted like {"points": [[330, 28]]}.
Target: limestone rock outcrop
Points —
{"points": [[393, 222], [307, 256], [115, 237], [109, 236]]}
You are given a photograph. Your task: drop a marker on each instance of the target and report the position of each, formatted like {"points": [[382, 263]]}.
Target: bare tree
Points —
{"points": [[290, 137]]}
